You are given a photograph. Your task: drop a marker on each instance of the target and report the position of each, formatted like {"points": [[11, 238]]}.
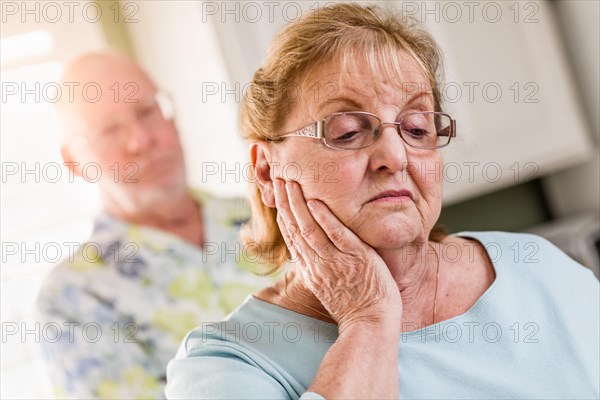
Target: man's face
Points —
{"points": [[126, 133]]}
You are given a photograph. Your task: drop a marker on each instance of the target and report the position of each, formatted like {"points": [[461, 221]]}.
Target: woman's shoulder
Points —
{"points": [[535, 281], [269, 351], [256, 324], [523, 249], [503, 238], [531, 261]]}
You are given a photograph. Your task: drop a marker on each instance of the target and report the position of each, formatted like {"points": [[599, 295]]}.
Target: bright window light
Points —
{"points": [[26, 46]]}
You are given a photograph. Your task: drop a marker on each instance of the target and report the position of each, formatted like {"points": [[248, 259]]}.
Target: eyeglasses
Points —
{"points": [[149, 113], [357, 130]]}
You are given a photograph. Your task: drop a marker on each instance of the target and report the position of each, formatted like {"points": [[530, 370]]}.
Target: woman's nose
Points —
{"points": [[389, 151]]}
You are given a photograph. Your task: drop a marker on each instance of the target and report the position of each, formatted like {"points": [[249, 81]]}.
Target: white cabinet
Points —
{"points": [[509, 87], [577, 190]]}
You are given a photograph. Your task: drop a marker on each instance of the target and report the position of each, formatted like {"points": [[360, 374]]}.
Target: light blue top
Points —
{"points": [[533, 334]]}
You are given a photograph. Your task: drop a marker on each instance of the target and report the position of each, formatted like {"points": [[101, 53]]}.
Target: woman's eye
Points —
{"points": [[417, 132], [418, 126], [346, 128], [348, 136]]}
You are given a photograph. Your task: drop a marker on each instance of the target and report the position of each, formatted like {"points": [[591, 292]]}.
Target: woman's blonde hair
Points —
{"points": [[345, 32]]}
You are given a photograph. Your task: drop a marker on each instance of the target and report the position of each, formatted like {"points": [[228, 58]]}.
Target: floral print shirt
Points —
{"points": [[114, 313]]}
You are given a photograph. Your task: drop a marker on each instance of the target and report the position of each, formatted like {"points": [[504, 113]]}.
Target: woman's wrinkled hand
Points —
{"points": [[345, 274]]}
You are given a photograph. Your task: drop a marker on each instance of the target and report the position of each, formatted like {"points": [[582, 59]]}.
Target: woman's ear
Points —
{"points": [[260, 156]]}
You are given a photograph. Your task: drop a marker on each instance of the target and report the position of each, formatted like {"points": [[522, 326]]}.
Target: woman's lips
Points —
{"points": [[392, 196]]}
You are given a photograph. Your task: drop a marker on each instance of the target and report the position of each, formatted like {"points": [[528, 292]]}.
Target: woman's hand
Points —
{"points": [[347, 276]]}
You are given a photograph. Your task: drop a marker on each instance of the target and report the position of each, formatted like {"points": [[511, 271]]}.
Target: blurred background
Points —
{"points": [[522, 80]]}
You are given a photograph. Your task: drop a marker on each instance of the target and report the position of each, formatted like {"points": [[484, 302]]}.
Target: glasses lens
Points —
{"points": [[350, 130], [426, 130]]}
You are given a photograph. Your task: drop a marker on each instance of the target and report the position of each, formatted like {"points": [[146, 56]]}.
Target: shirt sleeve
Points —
{"points": [[228, 371], [219, 378]]}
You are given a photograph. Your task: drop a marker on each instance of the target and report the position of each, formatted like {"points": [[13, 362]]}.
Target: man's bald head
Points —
{"points": [[96, 65], [104, 84], [115, 121]]}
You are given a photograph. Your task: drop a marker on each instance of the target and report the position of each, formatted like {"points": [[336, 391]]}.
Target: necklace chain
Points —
{"points": [[437, 280], [435, 297]]}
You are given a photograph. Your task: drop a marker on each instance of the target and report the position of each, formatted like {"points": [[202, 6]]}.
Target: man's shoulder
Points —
{"points": [[225, 211], [69, 281], [204, 197], [70, 275]]}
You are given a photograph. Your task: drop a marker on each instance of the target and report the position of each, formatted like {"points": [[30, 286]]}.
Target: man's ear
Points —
{"points": [[71, 164], [260, 156]]}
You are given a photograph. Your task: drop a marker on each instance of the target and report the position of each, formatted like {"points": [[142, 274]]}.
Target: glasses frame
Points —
{"points": [[166, 104], [316, 130]]}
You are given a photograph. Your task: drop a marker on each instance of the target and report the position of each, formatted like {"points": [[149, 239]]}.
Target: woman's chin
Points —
{"points": [[391, 235]]}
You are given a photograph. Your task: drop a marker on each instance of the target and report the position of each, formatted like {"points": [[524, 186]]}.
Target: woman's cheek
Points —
{"points": [[429, 180], [427, 175], [324, 183]]}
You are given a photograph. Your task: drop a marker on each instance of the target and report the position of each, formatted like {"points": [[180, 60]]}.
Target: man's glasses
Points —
{"points": [[148, 113], [357, 130]]}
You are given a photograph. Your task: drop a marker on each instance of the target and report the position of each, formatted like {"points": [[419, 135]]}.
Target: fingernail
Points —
{"points": [[277, 185], [312, 205], [289, 186]]}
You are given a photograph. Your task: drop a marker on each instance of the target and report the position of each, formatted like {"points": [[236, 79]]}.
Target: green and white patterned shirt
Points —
{"points": [[117, 310]]}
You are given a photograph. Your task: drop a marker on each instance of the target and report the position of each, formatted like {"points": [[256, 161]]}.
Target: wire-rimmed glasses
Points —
{"points": [[357, 130]]}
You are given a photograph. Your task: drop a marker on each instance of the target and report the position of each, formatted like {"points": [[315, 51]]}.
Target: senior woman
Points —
{"points": [[345, 128]]}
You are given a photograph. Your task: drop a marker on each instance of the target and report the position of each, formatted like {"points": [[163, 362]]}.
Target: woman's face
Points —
{"points": [[350, 182]]}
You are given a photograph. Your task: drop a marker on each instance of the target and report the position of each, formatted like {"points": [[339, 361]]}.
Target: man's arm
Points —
{"points": [[98, 353]]}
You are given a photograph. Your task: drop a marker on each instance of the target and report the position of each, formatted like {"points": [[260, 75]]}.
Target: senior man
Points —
{"points": [[161, 259]]}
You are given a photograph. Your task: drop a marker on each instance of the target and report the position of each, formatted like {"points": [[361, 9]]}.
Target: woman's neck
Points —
{"points": [[415, 269], [415, 276]]}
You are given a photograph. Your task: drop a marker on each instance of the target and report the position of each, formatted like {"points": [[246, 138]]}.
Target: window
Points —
{"points": [[43, 208]]}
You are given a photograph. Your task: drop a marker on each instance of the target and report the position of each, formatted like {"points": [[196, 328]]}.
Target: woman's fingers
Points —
{"points": [[283, 216], [316, 234], [309, 229], [303, 232], [345, 274], [286, 238], [341, 237], [290, 229]]}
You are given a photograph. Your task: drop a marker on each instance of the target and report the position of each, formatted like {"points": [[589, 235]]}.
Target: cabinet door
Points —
{"points": [[510, 90]]}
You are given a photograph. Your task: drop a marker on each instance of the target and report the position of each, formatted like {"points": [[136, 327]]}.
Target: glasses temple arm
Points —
{"points": [[450, 130], [314, 130]]}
